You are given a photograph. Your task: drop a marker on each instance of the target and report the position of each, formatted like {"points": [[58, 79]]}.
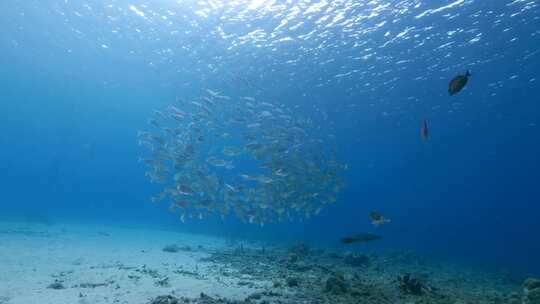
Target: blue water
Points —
{"points": [[79, 78]]}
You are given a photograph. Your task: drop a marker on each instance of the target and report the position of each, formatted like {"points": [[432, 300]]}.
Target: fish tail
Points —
{"points": [[468, 73]]}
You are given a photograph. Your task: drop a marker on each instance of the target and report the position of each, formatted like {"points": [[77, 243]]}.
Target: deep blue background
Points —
{"points": [[68, 150]]}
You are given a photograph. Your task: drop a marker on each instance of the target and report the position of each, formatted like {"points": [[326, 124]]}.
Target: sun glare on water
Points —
{"points": [[258, 4]]}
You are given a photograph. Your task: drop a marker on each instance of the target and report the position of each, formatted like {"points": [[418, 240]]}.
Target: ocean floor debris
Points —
{"points": [[56, 285], [293, 282], [531, 284], [336, 284], [250, 275], [164, 282], [336, 278], [356, 259], [531, 291], [171, 248], [168, 299], [94, 285], [411, 286], [300, 249], [202, 299], [4, 300]]}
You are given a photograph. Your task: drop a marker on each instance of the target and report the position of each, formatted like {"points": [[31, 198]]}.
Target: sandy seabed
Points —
{"points": [[102, 265], [72, 263]]}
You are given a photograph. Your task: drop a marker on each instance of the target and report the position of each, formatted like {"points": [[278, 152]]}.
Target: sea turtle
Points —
{"points": [[457, 83]]}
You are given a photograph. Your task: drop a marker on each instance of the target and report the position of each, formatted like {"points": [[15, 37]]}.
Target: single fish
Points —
{"points": [[155, 177], [377, 219], [185, 190], [218, 162], [177, 116], [457, 83], [263, 179], [424, 131], [231, 151], [360, 238]]}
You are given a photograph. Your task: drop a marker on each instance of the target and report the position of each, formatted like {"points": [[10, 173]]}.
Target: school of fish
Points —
{"points": [[200, 151]]}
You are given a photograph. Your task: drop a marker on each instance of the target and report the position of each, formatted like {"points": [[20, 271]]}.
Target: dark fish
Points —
{"points": [[360, 238], [424, 131], [458, 83]]}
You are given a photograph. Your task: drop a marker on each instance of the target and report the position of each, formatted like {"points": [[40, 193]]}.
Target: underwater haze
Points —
{"points": [[341, 89]]}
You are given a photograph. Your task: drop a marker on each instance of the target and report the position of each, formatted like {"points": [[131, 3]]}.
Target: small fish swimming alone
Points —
{"points": [[458, 83], [377, 219], [360, 238], [424, 131]]}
